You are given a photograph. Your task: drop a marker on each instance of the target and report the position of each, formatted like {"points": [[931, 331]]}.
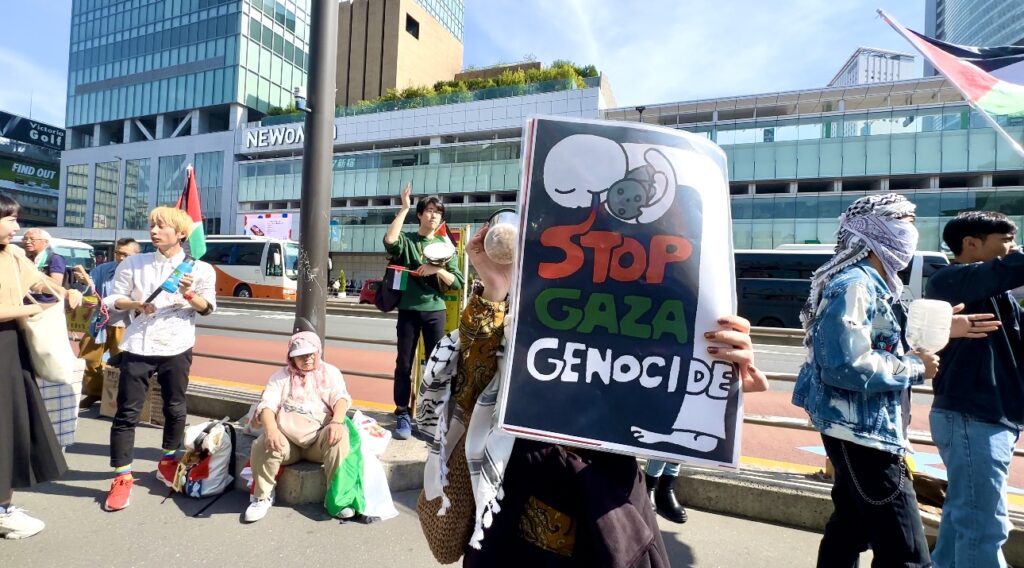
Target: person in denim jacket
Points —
{"points": [[855, 386]]}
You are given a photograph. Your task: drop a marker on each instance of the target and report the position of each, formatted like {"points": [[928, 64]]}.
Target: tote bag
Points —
{"points": [[46, 336]]}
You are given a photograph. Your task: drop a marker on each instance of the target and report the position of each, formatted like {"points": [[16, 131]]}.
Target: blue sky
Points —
{"points": [[651, 50]]}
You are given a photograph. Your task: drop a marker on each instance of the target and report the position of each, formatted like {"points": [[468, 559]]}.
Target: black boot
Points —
{"points": [[652, 483], [665, 499]]}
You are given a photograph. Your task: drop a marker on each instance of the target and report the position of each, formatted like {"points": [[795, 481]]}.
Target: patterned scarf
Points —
{"points": [[487, 447], [871, 224]]}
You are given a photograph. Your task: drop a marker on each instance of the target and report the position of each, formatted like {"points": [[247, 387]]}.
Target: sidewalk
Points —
{"points": [[158, 532]]}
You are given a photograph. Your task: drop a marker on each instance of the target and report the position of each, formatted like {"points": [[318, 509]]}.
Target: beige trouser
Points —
{"points": [[92, 352], [265, 464]]}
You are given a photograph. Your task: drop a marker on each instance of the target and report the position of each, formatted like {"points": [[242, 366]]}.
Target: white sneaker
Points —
{"points": [[16, 523], [258, 509], [347, 513]]}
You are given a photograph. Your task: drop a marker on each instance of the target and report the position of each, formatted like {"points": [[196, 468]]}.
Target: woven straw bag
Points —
{"points": [[448, 535]]}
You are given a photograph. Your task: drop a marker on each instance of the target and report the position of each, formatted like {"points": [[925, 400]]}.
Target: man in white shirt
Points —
{"points": [[158, 340]]}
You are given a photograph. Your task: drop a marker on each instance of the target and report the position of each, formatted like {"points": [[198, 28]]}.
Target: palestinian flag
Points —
{"points": [[398, 277], [195, 244], [442, 231], [990, 78]]}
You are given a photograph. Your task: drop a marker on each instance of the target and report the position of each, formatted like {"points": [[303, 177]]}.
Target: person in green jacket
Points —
{"points": [[421, 309]]}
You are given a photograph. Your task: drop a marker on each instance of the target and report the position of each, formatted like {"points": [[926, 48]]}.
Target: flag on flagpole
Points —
{"points": [[195, 244], [399, 277], [442, 231], [990, 78]]}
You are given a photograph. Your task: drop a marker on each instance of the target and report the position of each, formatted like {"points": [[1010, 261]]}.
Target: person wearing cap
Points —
{"points": [[302, 412]]}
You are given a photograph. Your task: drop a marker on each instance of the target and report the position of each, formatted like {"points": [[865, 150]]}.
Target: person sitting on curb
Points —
{"points": [[302, 411]]}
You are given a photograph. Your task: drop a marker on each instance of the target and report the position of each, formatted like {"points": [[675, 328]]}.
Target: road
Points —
{"points": [[160, 532], [762, 446]]}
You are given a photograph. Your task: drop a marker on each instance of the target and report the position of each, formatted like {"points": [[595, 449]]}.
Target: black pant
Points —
{"points": [[875, 505], [172, 375], [410, 324]]}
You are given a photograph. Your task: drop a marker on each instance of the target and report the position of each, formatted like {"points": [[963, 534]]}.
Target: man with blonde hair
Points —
{"points": [[158, 340]]}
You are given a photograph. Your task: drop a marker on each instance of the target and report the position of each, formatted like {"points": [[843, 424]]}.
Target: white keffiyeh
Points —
{"points": [[871, 224], [487, 447]]}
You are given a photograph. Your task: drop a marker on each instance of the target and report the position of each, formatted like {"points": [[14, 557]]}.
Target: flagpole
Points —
{"points": [[1014, 144]]}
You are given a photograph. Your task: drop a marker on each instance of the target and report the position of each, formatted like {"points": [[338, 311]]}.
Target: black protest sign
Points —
{"points": [[625, 260]]}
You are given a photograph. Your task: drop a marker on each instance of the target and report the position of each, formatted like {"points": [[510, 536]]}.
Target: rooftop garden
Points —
{"points": [[559, 76]]}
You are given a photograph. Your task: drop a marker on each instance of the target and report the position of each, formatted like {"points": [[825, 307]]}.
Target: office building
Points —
{"points": [[156, 85], [396, 44], [975, 22], [869, 65], [30, 167]]}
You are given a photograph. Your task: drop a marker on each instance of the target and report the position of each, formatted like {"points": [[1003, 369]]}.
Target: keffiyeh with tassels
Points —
{"points": [[871, 224], [487, 447]]}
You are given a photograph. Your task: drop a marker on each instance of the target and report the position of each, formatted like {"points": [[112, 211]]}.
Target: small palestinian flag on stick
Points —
{"points": [[398, 277], [990, 78]]}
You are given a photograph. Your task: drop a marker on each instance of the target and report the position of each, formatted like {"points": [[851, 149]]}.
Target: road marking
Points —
{"points": [[281, 315]]}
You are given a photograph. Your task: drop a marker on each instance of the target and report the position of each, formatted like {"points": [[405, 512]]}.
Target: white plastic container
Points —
{"points": [[502, 236], [928, 324]]}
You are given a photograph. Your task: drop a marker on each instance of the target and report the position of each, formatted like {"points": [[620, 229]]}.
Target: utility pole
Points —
{"points": [[317, 175]]}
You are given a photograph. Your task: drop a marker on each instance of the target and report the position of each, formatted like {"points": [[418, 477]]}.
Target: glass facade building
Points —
{"points": [[976, 22], [450, 13], [139, 58]]}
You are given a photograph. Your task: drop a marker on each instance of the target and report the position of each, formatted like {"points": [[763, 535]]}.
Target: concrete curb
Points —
{"points": [[785, 498]]}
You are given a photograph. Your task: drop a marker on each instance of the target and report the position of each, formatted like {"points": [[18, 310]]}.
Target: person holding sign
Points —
{"points": [[421, 309], [559, 506], [855, 385]]}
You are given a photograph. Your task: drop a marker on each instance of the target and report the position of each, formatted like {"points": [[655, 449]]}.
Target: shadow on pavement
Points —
{"points": [[680, 554]]}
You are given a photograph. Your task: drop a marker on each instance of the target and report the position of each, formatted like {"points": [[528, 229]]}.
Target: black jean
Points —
{"points": [[172, 375], [410, 324], [875, 505]]}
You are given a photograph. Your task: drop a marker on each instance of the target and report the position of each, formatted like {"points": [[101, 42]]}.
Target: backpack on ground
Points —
{"points": [[208, 465]]}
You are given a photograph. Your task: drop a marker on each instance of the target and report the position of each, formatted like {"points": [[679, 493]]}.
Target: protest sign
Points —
{"points": [[625, 260]]}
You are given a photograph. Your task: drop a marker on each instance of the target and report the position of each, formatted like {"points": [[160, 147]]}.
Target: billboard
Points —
{"points": [[275, 225], [29, 173], [30, 131]]}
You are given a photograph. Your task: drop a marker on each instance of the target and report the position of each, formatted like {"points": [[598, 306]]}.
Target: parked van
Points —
{"points": [[772, 285]]}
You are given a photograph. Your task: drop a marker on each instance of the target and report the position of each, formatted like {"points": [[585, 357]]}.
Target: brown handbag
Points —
{"points": [[448, 535]]}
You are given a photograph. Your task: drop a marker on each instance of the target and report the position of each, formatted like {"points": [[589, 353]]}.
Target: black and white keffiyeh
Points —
{"points": [[870, 224], [487, 447]]}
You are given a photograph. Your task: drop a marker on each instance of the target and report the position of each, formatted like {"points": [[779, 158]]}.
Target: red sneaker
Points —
{"points": [[120, 493], [166, 470]]}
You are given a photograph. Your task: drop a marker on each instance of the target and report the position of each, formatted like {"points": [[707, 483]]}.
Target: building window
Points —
{"points": [[412, 26], [104, 214], [172, 179], [76, 192], [136, 195]]}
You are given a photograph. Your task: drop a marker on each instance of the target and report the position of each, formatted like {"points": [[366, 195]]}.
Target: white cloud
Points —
{"points": [[32, 87], [668, 50]]}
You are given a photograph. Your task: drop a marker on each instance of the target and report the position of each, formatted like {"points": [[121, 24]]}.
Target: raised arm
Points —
{"points": [[395, 228]]}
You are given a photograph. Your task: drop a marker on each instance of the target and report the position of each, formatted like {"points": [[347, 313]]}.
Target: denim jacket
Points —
{"points": [[854, 382]]}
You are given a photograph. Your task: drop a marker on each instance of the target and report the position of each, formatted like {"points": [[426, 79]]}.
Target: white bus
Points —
{"points": [[254, 267]]}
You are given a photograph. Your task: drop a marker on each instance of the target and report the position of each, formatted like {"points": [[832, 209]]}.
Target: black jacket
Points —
{"points": [[982, 377]]}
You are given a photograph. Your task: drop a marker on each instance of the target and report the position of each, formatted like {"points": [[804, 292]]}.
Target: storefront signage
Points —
{"points": [[286, 135]]}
